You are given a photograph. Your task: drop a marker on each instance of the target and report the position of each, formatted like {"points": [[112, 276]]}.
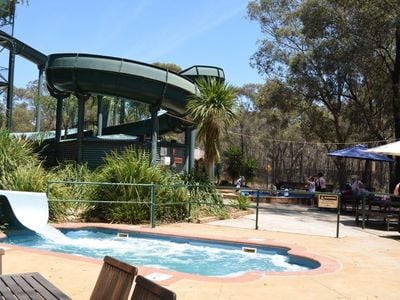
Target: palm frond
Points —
{"points": [[214, 110]]}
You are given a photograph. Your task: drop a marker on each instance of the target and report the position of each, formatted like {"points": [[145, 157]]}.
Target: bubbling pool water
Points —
{"points": [[179, 254]]}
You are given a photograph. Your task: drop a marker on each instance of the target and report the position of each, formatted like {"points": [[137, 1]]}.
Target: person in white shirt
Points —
{"points": [[311, 184]]}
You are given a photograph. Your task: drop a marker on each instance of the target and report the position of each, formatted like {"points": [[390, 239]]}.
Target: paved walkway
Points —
{"points": [[305, 220], [369, 260]]}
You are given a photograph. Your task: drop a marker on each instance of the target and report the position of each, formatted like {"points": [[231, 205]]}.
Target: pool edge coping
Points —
{"points": [[327, 265]]}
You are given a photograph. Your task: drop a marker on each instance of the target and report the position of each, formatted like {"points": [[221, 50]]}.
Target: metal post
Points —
{"points": [[338, 215], [257, 206], [100, 108], [187, 144], [122, 111], [190, 205], [152, 206], [363, 212], [48, 190], [10, 90], [38, 105], [154, 134], [192, 148], [81, 121], [58, 125]]}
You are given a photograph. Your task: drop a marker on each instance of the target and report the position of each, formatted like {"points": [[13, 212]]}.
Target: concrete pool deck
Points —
{"points": [[368, 267]]}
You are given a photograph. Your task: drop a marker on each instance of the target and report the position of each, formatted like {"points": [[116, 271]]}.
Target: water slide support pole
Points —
{"points": [[154, 133], [40, 94], [122, 111], [100, 108], [81, 120], [10, 91], [192, 148], [189, 149], [59, 108]]}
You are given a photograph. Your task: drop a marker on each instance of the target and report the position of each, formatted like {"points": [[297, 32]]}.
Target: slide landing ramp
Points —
{"points": [[31, 209]]}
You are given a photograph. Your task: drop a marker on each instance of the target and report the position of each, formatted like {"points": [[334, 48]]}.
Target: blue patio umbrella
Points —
{"points": [[359, 152]]}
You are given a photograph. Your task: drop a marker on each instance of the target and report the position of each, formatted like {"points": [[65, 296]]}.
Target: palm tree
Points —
{"points": [[214, 110]]}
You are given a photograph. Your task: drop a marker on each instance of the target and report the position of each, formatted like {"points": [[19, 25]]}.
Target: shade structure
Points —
{"points": [[359, 152], [388, 149]]}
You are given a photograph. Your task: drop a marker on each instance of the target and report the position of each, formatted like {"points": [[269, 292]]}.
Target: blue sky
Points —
{"points": [[184, 32]]}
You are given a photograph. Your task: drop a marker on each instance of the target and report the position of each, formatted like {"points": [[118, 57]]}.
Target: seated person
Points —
{"points": [[358, 189]]}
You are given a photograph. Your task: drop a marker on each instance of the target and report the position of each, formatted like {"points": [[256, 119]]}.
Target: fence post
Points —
{"points": [[190, 203], [152, 206], [48, 189], [363, 211], [338, 215], [257, 204]]}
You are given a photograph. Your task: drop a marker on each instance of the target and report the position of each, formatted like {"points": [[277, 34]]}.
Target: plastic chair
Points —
{"points": [[115, 280], [146, 289]]}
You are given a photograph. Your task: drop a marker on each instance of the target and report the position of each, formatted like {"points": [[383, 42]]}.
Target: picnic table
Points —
{"points": [[28, 286], [376, 207]]}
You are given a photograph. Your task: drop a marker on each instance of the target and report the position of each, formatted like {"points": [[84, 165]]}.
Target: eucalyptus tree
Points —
{"points": [[214, 111], [331, 53], [246, 95], [281, 114], [46, 103]]}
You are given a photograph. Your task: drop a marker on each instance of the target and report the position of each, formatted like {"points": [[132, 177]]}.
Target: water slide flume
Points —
{"points": [[103, 75], [30, 209]]}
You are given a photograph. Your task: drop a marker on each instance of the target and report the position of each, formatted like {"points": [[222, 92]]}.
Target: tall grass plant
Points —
{"points": [[133, 167]]}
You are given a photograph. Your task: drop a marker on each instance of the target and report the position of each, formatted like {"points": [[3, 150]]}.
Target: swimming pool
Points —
{"points": [[195, 256]]}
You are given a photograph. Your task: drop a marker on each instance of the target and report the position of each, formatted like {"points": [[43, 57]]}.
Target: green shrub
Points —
{"points": [[249, 169], [241, 202], [18, 163], [70, 210], [30, 177], [133, 167], [205, 198]]}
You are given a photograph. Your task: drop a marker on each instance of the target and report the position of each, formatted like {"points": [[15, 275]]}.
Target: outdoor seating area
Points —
{"points": [[113, 283], [379, 209]]}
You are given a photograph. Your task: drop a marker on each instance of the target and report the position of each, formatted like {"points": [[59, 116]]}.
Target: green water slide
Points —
{"points": [[22, 49], [87, 74]]}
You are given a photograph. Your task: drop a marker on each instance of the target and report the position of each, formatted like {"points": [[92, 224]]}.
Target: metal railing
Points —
{"points": [[193, 197]]}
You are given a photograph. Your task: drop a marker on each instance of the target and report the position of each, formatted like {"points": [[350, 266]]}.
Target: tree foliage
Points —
{"points": [[214, 110], [340, 58], [233, 159]]}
